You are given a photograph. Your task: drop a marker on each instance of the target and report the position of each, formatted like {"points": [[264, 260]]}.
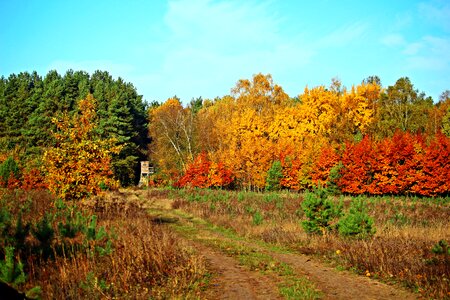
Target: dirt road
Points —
{"points": [[232, 260]]}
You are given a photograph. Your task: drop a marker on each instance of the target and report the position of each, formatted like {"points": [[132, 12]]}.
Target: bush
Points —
{"points": [[11, 270], [57, 229], [320, 211], [257, 218], [274, 176], [7, 169], [333, 178], [357, 223]]}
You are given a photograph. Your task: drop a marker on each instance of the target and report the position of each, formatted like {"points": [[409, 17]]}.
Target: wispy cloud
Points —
{"points": [[436, 12], [434, 54], [344, 35], [393, 40], [212, 44], [413, 48]]}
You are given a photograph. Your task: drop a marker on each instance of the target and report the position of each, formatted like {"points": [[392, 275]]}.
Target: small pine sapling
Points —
{"points": [[357, 223], [320, 211], [274, 176]]}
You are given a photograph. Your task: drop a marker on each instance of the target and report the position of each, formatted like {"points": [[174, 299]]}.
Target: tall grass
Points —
{"points": [[147, 261], [400, 251]]}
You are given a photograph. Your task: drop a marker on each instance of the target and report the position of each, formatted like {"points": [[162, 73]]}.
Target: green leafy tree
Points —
{"points": [[122, 116], [446, 123], [403, 107], [7, 169]]}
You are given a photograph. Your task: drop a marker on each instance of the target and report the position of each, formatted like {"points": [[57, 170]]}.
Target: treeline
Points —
{"points": [[260, 138], [256, 138], [29, 103]]}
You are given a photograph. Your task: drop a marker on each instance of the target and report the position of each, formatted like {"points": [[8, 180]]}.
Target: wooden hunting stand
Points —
{"points": [[146, 170]]}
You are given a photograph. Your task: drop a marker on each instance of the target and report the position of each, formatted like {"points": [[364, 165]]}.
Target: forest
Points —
{"points": [[30, 102], [366, 139]]}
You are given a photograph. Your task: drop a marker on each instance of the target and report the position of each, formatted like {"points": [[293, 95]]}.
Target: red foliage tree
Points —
{"points": [[394, 164], [357, 171], [292, 167], [220, 176], [432, 175], [204, 173], [328, 158], [33, 180], [403, 164]]}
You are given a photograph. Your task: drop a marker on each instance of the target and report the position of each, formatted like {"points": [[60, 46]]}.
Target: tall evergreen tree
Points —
{"points": [[28, 103]]}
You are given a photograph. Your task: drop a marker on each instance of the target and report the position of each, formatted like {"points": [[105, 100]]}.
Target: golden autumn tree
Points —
{"points": [[337, 114], [323, 116], [211, 121], [172, 132], [245, 145], [357, 111], [79, 165]]}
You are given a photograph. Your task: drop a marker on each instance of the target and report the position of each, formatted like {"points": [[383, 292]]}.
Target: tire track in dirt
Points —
{"points": [[333, 283], [341, 284], [232, 281]]}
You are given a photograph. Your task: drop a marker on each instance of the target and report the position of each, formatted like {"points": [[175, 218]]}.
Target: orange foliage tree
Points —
{"points": [[432, 176], [79, 165], [402, 164], [203, 173], [357, 160], [322, 130], [327, 159]]}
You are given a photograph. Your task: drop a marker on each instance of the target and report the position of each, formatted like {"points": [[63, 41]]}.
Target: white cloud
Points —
{"points": [[393, 40], [344, 35], [436, 12], [211, 44], [412, 48], [434, 54]]}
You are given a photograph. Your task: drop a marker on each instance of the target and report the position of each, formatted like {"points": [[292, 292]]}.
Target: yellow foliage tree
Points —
{"points": [[172, 132], [79, 165], [245, 145]]}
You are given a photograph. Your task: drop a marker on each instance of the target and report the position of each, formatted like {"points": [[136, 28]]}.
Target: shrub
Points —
{"points": [[320, 211], [441, 248], [333, 178], [357, 223], [8, 169], [257, 218], [274, 176], [36, 237], [11, 270]]}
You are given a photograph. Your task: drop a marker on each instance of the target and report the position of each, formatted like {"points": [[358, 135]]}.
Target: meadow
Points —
{"points": [[107, 248], [111, 247], [409, 247]]}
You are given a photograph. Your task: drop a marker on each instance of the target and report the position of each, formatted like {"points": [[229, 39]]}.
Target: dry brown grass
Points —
{"points": [[148, 260], [400, 251]]}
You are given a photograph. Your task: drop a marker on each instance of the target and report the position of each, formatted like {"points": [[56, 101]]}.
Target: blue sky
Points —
{"points": [[192, 48]]}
